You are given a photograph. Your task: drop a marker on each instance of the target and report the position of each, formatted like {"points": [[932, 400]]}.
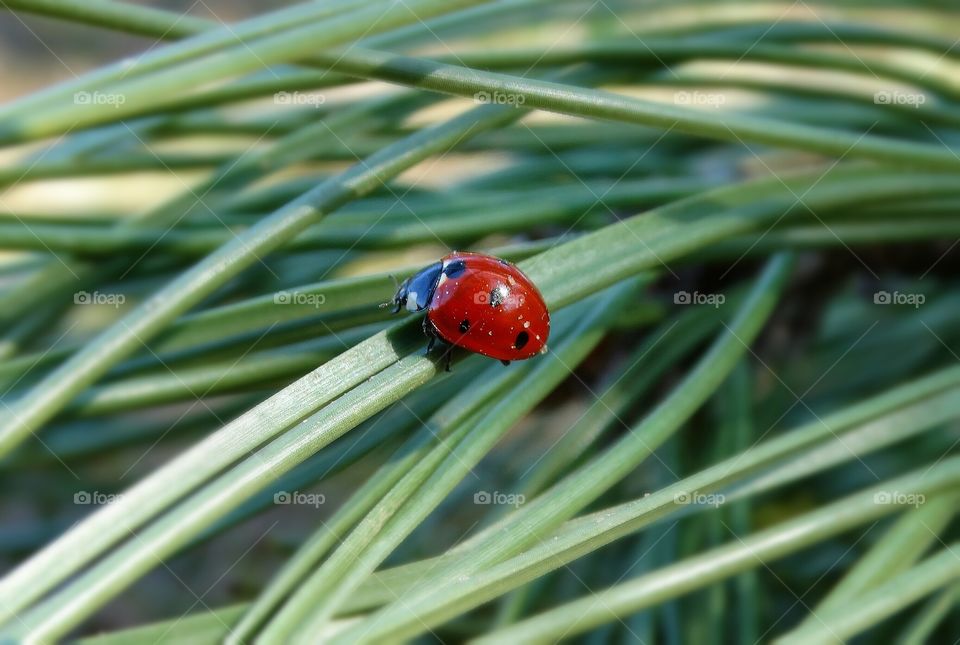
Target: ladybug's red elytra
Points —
{"points": [[480, 303]]}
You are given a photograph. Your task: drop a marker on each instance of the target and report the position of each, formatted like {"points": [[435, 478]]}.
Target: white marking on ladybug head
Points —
{"points": [[412, 301]]}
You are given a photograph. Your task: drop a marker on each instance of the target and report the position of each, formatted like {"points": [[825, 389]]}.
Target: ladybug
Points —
{"points": [[480, 303]]}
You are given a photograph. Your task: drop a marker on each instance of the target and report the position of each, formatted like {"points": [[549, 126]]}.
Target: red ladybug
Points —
{"points": [[480, 303]]}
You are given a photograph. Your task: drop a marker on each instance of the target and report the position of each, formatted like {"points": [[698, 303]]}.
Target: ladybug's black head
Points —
{"points": [[414, 293]]}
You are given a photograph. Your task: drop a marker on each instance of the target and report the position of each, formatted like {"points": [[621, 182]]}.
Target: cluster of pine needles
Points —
{"points": [[742, 215]]}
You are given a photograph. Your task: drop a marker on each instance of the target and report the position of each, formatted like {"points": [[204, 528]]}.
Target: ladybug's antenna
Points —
{"points": [[396, 287]]}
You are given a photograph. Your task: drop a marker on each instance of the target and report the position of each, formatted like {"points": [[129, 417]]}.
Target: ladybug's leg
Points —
{"points": [[432, 335], [505, 362], [428, 331], [448, 355]]}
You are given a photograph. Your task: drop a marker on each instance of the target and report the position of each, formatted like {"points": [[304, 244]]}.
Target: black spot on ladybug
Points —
{"points": [[455, 268], [496, 297], [464, 326], [521, 340]]}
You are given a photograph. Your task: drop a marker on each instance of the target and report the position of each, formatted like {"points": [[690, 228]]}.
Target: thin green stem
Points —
{"points": [[61, 558], [563, 500], [881, 601], [741, 554]]}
